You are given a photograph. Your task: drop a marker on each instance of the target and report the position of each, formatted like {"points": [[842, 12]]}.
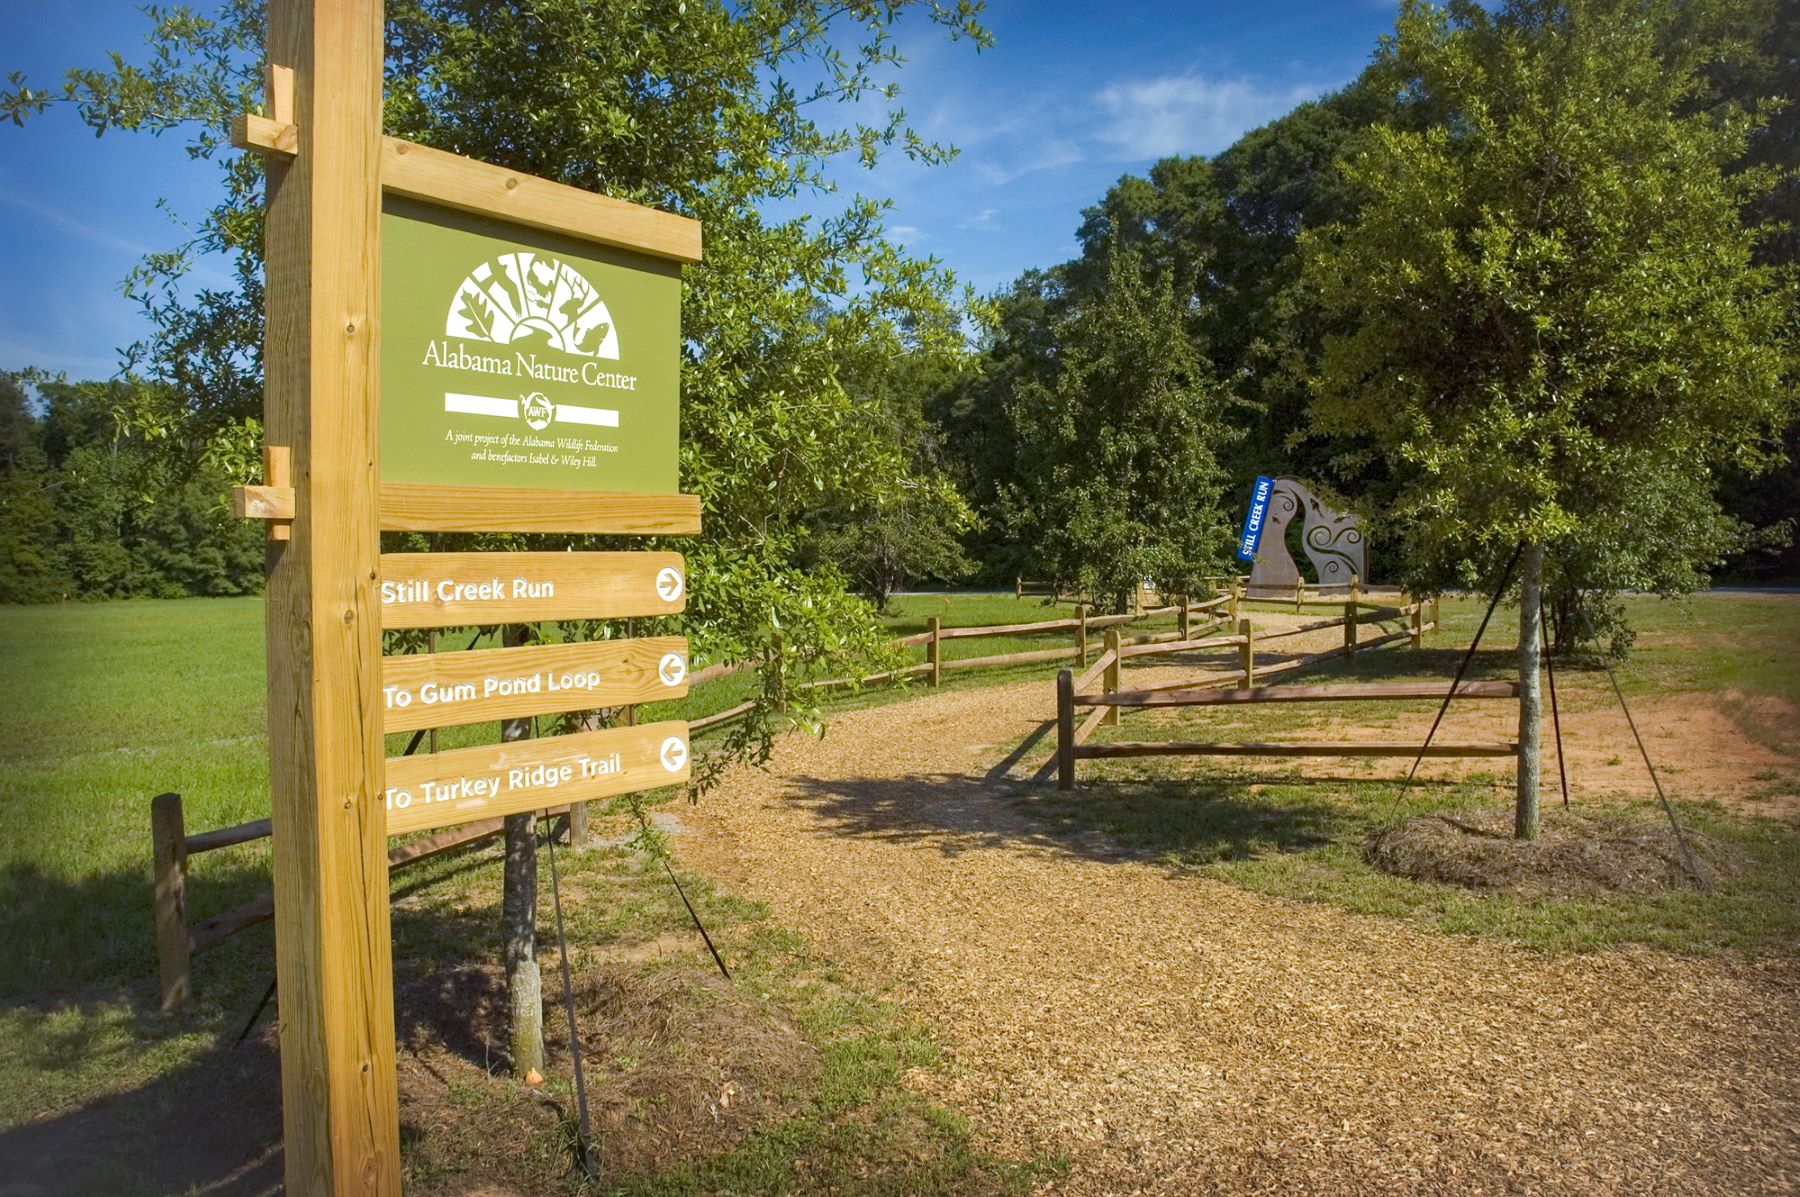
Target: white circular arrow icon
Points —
{"points": [[672, 669], [668, 583], [674, 754]]}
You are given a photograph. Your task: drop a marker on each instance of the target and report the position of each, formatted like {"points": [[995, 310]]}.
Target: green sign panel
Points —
{"points": [[513, 357]]}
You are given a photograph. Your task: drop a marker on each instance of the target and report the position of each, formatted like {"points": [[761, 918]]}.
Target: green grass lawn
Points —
{"points": [[109, 704], [1279, 833]]}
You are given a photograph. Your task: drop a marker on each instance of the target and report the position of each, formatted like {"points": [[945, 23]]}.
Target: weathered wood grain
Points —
{"points": [[532, 587], [637, 751], [513, 683]]}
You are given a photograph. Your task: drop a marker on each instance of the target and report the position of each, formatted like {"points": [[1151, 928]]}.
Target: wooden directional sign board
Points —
{"points": [[451, 346], [465, 784], [449, 590], [444, 689]]}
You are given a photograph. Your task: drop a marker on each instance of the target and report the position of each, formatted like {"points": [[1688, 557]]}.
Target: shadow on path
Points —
{"points": [[1188, 822]]}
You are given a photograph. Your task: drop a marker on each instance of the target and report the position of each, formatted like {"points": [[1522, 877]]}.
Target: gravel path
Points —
{"points": [[1172, 1034]]}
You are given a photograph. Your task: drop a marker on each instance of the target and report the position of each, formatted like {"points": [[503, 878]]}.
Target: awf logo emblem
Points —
{"points": [[525, 297]]}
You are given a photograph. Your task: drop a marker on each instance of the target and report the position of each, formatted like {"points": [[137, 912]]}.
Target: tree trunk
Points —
{"points": [[1531, 707], [518, 916]]}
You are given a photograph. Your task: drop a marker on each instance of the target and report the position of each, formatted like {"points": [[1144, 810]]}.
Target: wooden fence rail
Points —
{"points": [[1209, 690], [178, 942], [1080, 627]]}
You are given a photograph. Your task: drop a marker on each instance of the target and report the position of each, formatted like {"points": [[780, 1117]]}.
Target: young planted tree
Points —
{"points": [[1557, 321], [1118, 481]]}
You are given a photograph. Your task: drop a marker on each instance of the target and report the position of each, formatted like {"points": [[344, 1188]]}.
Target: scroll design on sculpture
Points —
{"points": [[1334, 543]]}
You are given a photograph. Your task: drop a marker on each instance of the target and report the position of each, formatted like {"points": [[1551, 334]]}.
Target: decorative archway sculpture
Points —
{"points": [[1334, 543]]}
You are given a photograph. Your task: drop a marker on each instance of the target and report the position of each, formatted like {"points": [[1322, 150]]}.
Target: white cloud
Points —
{"points": [[81, 229], [906, 234], [1126, 121], [1188, 114], [980, 220], [1038, 155]]}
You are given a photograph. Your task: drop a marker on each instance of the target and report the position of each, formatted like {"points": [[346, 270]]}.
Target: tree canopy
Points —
{"points": [[1117, 479], [1557, 331], [713, 109]]}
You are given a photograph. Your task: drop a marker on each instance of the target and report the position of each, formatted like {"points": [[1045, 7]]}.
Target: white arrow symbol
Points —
{"points": [[674, 754], [668, 583], [672, 669]]}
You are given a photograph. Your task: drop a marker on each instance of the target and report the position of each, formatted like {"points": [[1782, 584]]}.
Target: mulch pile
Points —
{"points": [[679, 1067], [1574, 855]]}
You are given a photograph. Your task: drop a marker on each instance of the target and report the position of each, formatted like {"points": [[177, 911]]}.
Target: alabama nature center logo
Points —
{"points": [[522, 297], [540, 312]]}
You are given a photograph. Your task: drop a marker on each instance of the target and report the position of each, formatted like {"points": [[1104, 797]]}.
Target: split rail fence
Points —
{"points": [[179, 941], [1240, 686]]}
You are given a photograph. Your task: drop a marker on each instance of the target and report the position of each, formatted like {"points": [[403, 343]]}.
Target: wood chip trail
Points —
{"points": [[1172, 1034]]}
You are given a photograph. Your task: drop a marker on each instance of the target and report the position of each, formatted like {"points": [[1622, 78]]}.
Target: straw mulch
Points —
{"points": [[1574, 855], [1175, 1035]]}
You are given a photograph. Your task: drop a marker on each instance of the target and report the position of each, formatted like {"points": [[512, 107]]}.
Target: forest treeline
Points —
{"points": [[89, 508], [1099, 422]]}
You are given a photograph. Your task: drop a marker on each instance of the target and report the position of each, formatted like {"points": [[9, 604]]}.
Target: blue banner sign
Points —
{"points": [[1253, 523]]}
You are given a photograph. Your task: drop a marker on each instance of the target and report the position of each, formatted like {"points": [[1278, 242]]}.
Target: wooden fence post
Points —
{"points": [[168, 839], [1111, 683], [1416, 628], [1232, 606], [1435, 626], [1018, 587], [1065, 729], [1246, 655], [934, 649], [1299, 592], [1351, 612], [1081, 635], [1183, 617]]}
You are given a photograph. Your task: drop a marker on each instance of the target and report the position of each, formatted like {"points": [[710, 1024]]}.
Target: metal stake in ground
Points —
{"points": [[1562, 771], [586, 1144], [1461, 668], [1687, 854]]}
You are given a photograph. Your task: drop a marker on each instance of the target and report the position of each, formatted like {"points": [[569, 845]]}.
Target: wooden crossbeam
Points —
{"points": [[1292, 748], [423, 507], [1344, 693]]}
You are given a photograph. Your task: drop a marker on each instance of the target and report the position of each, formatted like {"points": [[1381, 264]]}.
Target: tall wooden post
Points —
{"points": [[1352, 609], [1065, 729], [1231, 606], [1110, 682], [934, 649], [1246, 654], [1415, 628], [1081, 635], [339, 1114], [168, 843], [1183, 618]]}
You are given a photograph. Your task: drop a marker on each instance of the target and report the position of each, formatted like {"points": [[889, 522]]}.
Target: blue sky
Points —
{"points": [[1071, 97]]}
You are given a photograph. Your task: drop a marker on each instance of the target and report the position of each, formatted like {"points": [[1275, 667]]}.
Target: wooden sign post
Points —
{"points": [[340, 1121], [532, 339]]}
